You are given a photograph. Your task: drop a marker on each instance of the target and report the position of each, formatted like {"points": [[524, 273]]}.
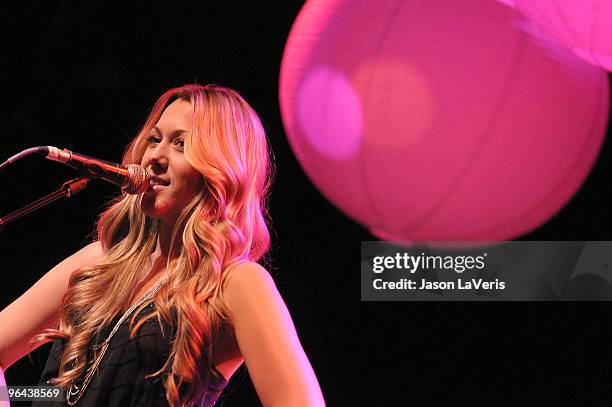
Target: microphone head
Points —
{"points": [[138, 180]]}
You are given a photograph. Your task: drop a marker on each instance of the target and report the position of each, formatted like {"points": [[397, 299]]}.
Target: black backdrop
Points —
{"points": [[84, 78]]}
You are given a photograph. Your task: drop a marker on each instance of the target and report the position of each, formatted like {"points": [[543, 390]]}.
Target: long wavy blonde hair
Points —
{"points": [[223, 226]]}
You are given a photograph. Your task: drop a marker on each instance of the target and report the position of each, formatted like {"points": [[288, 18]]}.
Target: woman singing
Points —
{"points": [[170, 300]]}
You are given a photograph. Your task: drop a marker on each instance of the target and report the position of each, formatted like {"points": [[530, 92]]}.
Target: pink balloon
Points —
{"points": [[585, 26], [438, 119]]}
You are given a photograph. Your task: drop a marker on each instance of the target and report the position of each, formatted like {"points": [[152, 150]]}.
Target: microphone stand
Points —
{"points": [[67, 190]]}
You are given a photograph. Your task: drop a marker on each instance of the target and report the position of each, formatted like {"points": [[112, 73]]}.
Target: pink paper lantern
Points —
{"points": [[584, 26], [438, 119]]}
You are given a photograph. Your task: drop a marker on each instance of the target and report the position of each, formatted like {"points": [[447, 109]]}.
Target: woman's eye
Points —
{"points": [[153, 139], [180, 143]]}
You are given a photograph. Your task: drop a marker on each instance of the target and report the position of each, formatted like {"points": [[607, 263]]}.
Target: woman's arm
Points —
{"points": [[277, 364], [38, 308]]}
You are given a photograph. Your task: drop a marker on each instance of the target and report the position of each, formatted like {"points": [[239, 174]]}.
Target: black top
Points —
{"points": [[120, 378]]}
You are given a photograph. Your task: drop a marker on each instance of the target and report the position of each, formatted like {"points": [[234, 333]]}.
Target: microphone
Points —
{"points": [[132, 179]]}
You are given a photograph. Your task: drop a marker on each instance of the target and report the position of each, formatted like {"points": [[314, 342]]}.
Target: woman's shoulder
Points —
{"points": [[88, 254], [246, 284], [246, 272]]}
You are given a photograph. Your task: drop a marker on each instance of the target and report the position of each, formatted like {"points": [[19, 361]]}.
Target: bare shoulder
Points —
{"points": [[92, 253], [95, 248], [247, 273], [57, 278], [248, 282], [89, 255]]}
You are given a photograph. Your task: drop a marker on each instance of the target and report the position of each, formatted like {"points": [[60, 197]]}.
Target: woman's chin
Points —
{"points": [[152, 211]]}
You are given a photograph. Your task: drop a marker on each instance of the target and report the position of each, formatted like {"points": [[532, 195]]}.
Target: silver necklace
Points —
{"points": [[75, 392]]}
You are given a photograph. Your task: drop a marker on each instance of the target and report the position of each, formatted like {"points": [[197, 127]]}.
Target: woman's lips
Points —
{"points": [[157, 187], [157, 183]]}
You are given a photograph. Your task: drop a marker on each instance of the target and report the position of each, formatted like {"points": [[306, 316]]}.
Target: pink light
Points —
{"points": [[469, 127], [329, 113]]}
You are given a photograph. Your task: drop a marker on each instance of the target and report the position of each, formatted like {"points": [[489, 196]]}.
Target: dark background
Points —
{"points": [[85, 77]]}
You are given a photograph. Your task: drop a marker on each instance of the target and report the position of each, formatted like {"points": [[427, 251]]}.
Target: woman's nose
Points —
{"points": [[158, 158]]}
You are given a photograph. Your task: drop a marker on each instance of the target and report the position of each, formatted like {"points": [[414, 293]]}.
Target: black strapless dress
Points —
{"points": [[120, 378]]}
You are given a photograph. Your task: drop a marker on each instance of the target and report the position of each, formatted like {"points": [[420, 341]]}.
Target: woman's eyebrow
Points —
{"points": [[175, 133]]}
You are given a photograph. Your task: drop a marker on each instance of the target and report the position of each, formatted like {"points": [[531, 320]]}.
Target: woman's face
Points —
{"points": [[174, 182]]}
